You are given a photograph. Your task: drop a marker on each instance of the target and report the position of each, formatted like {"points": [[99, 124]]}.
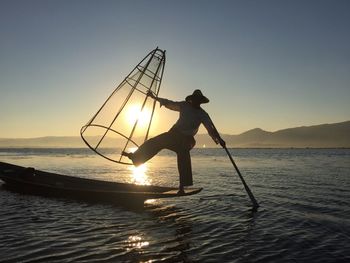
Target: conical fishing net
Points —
{"points": [[123, 122]]}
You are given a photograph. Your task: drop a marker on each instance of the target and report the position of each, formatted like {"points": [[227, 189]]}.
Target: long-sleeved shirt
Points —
{"points": [[190, 118]]}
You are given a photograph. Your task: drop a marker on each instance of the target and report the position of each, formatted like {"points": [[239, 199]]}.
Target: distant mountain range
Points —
{"points": [[336, 135]]}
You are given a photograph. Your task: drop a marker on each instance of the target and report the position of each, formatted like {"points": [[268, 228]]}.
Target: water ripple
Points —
{"points": [[304, 214]]}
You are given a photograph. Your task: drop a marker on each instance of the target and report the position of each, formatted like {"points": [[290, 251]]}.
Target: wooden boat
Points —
{"points": [[30, 180]]}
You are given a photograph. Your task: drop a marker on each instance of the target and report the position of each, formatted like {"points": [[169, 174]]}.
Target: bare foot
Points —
{"points": [[129, 155]]}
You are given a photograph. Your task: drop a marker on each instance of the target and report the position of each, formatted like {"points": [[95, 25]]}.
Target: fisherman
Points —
{"points": [[180, 137]]}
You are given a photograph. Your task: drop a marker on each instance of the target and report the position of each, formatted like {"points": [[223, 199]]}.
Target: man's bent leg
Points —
{"points": [[150, 148]]}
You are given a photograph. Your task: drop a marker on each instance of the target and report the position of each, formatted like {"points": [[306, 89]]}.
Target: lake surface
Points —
{"points": [[304, 213]]}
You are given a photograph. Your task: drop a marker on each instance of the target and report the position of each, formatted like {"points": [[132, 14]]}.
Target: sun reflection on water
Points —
{"points": [[136, 242], [139, 176]]}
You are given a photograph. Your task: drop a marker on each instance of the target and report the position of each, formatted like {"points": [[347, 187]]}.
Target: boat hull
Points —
{"points": [[32, 181]]}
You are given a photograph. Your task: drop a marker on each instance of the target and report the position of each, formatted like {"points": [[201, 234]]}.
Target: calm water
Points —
{"points": [[304, 214]]}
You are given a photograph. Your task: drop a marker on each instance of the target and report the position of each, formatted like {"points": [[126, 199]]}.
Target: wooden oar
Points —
{"points": [[250, 194]]}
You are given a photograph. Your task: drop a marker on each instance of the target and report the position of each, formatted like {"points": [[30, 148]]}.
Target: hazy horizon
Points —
{"points": [[334, 135], [199, 133]]}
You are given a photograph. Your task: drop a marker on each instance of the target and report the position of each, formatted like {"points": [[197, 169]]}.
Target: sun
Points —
{"points": [[134, 114]]}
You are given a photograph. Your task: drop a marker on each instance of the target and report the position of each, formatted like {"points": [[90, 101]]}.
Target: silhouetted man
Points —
{"points": [[180, 138]]}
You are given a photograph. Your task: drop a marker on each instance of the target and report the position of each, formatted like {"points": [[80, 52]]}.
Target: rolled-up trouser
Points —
{"points": [[174, 141]]}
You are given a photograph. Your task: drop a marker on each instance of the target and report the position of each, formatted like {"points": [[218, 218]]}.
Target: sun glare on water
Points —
{"points": [[139, 176]]}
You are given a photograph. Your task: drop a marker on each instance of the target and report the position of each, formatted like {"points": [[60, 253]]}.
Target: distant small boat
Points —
{"points": [[30, 180]]}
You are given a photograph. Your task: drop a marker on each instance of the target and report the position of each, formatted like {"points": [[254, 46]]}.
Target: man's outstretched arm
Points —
{"points": [[171, 105]]}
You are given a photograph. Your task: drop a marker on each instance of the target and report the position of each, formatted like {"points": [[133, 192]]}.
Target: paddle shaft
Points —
{"points": [[250, 194], [246, 187]]}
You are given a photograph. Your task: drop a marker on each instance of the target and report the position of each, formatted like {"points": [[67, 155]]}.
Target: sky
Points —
{"points": [[267, 64]]}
